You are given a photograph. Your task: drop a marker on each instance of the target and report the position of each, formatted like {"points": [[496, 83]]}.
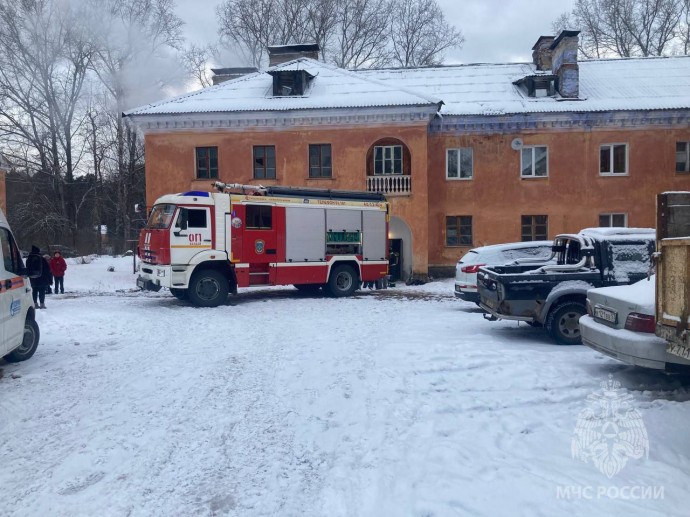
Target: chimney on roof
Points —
{"points": [[220, 75], [278, 54], [541, 52], [564, 63]]}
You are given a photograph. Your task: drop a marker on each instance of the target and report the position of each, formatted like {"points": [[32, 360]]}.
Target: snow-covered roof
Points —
{"points": [[605, 85], [332, 87], [477, 89]]}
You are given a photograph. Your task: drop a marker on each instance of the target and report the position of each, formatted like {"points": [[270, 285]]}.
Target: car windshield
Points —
{"points": [[160, 217]]}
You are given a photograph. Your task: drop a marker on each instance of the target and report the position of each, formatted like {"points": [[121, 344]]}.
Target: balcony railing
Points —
{"points": [[390, 185]]}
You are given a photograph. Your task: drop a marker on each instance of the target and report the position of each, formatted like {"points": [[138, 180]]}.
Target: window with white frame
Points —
{"points": [[682, 156], [613, 159], [459, 164], [613, 220], [534, 162], [388, 159]]}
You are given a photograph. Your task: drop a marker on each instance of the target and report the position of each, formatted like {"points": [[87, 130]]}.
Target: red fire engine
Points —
{"points": [[204, 245]]}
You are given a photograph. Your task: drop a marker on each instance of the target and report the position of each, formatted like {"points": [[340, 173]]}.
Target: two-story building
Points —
{"points": [[468, 155]]}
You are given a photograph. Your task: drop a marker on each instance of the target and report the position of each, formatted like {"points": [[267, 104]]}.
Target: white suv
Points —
{"points": [[496, 255], [19, 332]]}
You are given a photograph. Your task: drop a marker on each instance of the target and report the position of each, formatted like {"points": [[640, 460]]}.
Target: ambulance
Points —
{"points": [[19, 333], [204, 245]]}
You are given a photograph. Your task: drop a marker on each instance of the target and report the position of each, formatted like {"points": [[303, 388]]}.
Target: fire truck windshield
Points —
{"points": [[160, 217]]}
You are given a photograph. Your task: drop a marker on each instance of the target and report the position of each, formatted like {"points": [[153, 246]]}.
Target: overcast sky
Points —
{"points": [[495, 31]]}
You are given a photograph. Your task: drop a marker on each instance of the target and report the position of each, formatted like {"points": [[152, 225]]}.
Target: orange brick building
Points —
{"points": [[468, 155]]}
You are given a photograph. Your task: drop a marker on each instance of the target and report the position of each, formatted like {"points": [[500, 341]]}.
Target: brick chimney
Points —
{"points": [[541, 52], [564, 63], [278, 54], [220, 75]]}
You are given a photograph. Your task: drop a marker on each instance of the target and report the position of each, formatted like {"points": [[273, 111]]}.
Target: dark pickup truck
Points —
{"points": [[554, 295]]}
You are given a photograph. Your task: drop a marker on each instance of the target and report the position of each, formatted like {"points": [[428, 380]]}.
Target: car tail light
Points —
{"points": [[640, 323], [590, 312], [471, 269]]}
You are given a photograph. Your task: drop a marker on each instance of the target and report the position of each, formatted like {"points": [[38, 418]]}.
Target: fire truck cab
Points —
{"points": [[204, 245]]}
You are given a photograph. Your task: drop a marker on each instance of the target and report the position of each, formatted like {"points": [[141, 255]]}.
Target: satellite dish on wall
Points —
{"points": [[516, 144]]}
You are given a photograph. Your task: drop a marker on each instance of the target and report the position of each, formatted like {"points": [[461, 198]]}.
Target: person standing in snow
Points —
{"points": [[58, 266], [50, 278], [40, 277]]}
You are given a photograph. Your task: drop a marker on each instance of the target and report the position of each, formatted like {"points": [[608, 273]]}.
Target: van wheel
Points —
{"points": [[180, 294], [343, 281], [29, 343], [208, 288], [562, 322]]}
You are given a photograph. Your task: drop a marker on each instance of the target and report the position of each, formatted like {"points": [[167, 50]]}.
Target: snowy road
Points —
{"points": [[398, 403]]}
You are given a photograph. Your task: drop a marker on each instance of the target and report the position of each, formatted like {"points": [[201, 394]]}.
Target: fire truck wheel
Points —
{"points": [[180, 294], [208, 288], [343, 281]]}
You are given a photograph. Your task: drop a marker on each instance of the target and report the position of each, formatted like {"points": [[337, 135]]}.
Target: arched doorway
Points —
{"points": [[400, 238]]}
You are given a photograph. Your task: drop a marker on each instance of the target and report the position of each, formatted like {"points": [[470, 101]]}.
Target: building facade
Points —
{"points": [[467, 155]]}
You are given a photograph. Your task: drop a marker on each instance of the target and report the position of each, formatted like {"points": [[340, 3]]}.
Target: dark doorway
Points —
{"points": [[395, 264]]}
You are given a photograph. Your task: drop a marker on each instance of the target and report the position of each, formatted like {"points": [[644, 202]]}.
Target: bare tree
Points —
{"points": [[350, 33], [628, 28], [197, 61], [44, 61], [131, 33], [246, 23], [420, 33], [362, 35]]}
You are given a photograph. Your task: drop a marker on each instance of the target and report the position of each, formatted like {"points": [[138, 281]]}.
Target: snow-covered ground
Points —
{"points": [[404, 402]]}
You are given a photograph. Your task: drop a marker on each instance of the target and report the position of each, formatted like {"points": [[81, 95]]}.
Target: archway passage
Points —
{"points": [[400, 251]]}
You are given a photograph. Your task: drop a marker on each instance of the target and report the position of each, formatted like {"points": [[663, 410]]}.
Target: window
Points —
{"points": [[459, 230], [388, 159], [682, 156], [259, 217], [10, 253], [459, 164], [534, 162], [613, 159], [613, 220], [264, 162], [535, 227], [196, 218], [206, 163], [320, 161]]}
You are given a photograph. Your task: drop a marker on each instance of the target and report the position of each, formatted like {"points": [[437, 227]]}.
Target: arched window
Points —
{"points": [[388, 157]]}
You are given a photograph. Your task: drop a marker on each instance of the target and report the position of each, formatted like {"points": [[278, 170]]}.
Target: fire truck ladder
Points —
{"points": [[260, 190]]}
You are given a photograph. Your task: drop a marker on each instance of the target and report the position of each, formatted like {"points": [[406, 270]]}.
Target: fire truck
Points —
{"points": [[204, 245]]}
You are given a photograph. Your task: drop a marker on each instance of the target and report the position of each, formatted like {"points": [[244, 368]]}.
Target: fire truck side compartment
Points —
{"points": [[305, 234]]}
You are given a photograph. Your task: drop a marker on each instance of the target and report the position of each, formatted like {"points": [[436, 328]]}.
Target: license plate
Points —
{"points": [[140, 282], [606, 314]]}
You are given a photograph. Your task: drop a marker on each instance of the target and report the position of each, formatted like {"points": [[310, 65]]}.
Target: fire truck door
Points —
{"points": [[260, 241], [190, 233]]}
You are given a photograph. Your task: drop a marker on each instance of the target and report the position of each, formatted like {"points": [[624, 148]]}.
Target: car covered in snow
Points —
{"points": [[620, 323], [494, 255]]}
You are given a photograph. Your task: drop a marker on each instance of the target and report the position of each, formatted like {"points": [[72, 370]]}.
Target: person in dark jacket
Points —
{"points": [[39, 271], [58, 266], [50, 279]]}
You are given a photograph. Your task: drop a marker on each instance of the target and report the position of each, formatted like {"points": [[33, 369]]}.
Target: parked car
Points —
{"points": [[620, 323], [467, 267]]}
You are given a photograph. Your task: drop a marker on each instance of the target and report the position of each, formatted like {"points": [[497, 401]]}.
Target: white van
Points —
{"points": [[19, 332]]}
